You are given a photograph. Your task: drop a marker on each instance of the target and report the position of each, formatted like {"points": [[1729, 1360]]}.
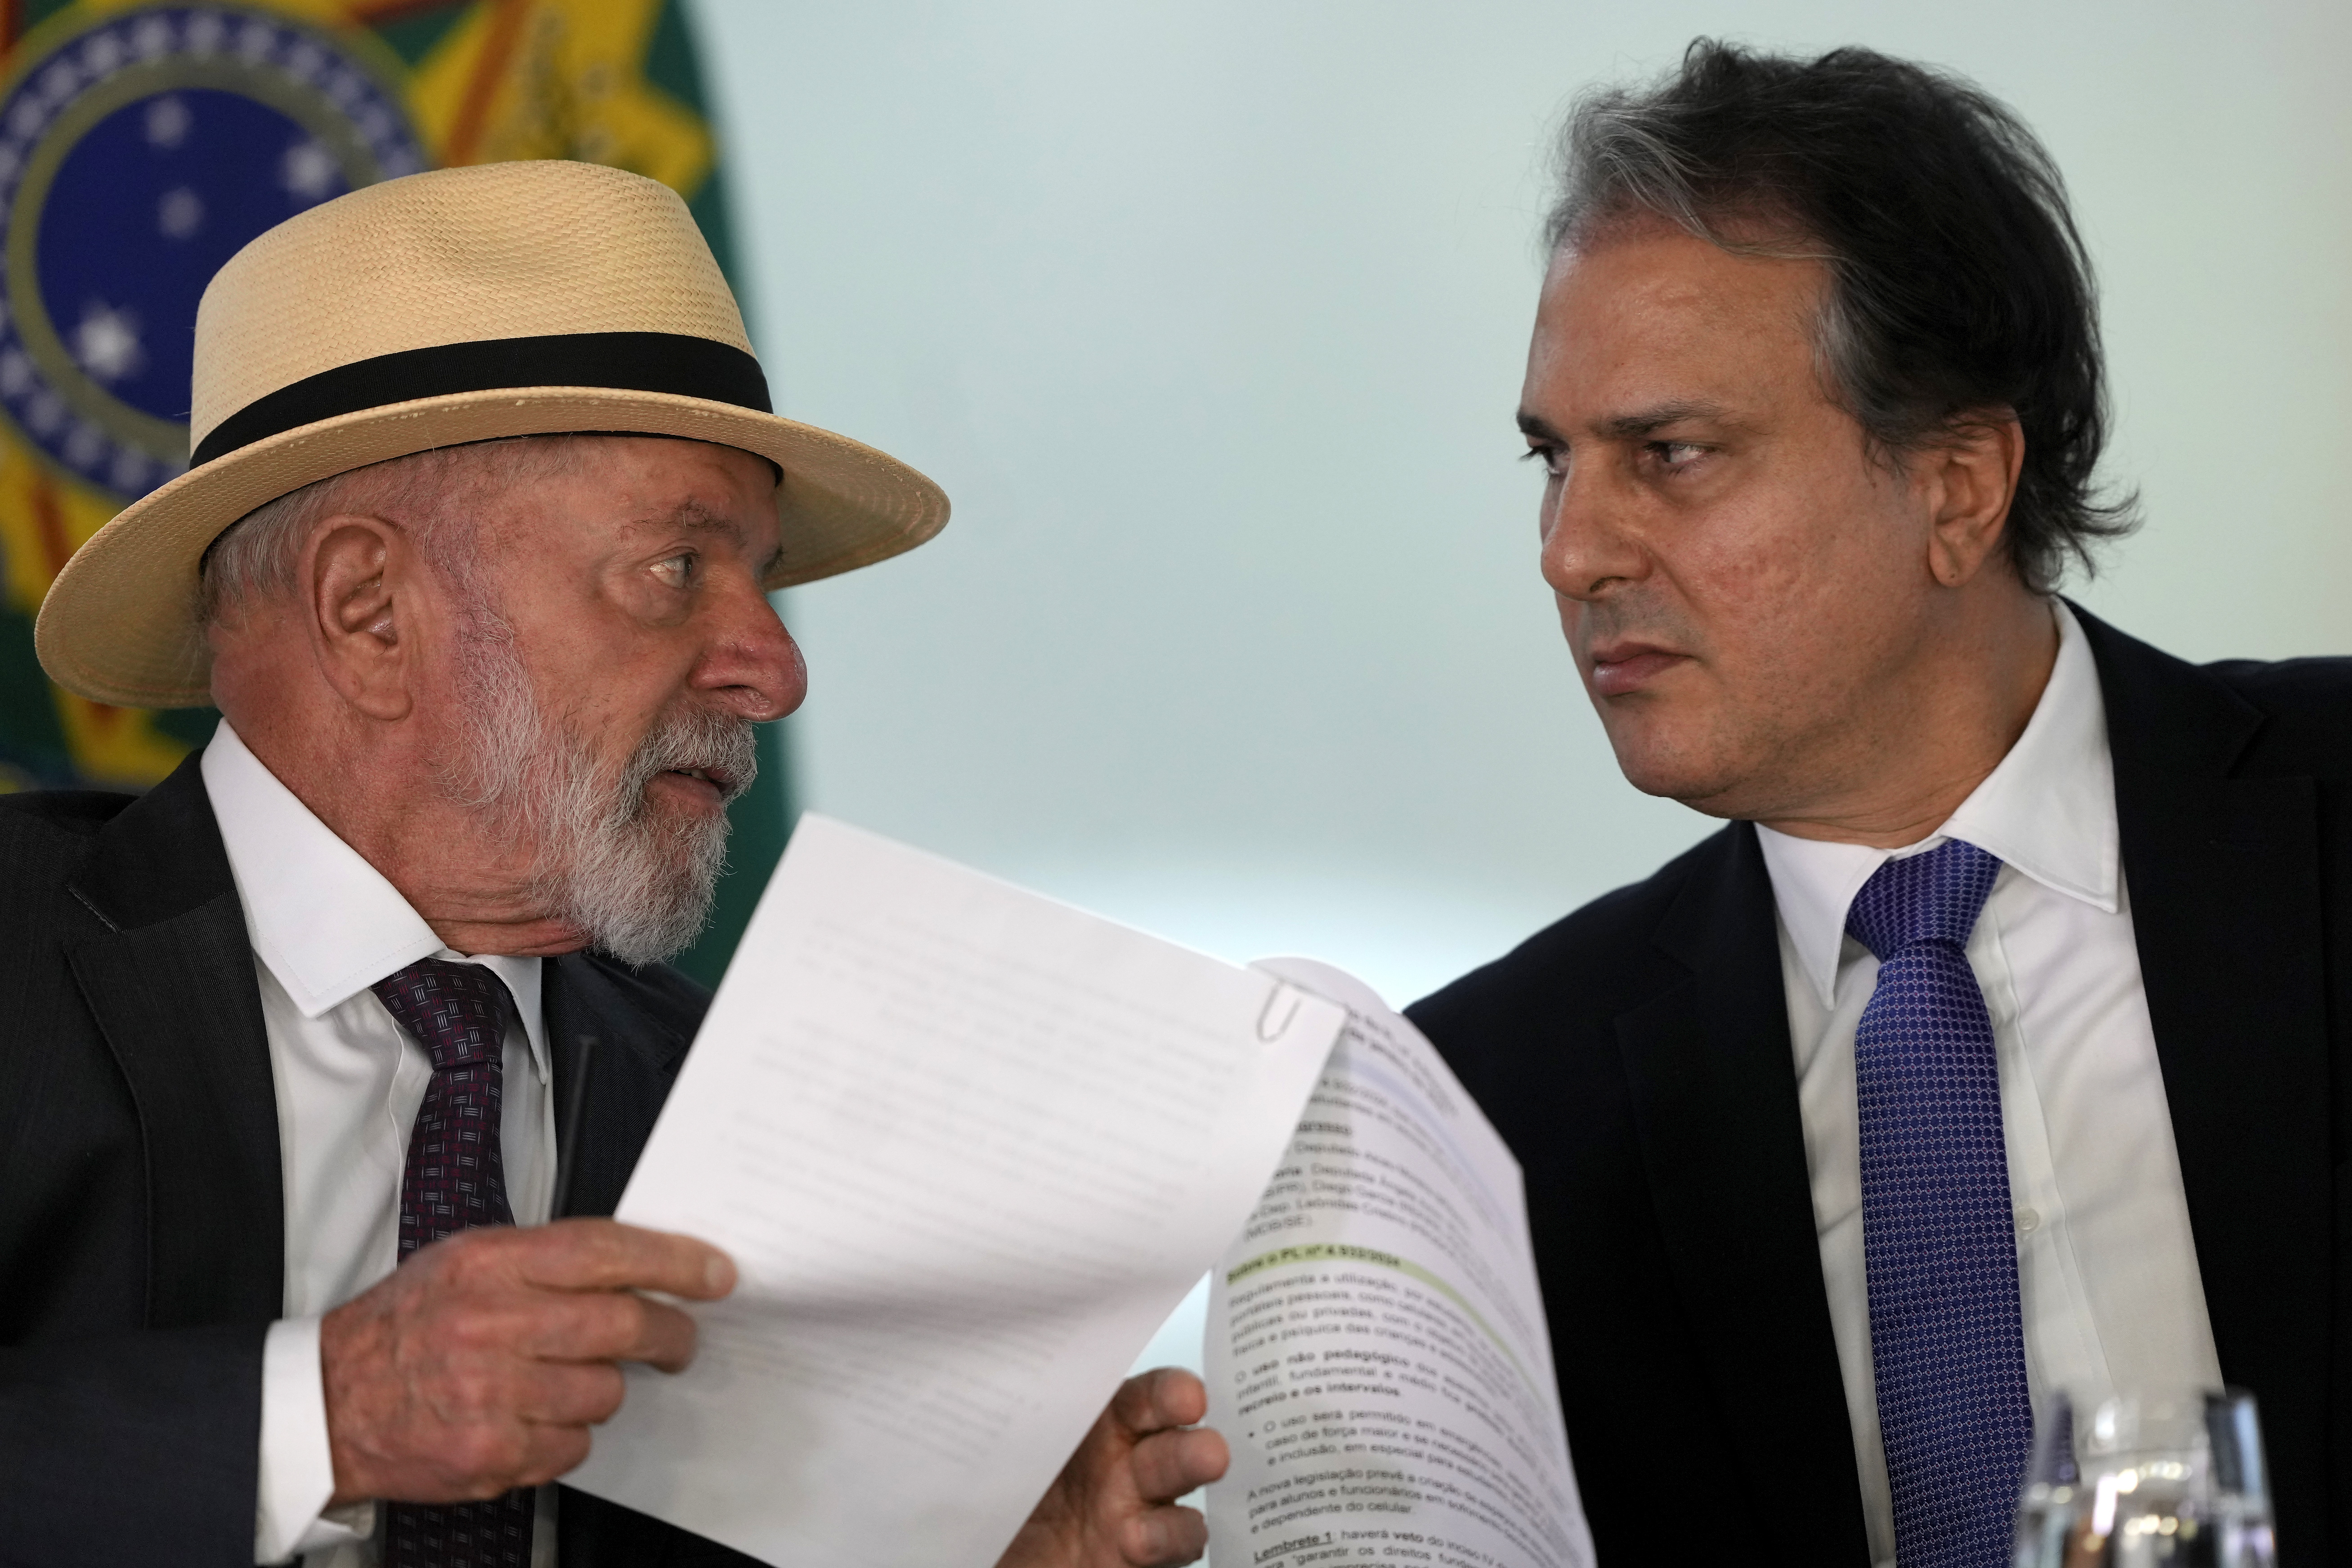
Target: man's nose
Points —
{"points": [[1588, 550], [752, 666]]}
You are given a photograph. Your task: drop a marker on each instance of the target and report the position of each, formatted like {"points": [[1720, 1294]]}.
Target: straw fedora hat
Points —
{"points": [[461, 305]]}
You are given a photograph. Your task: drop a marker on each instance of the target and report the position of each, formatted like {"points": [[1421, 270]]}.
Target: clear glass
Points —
{"points": [[2171, 1479]]}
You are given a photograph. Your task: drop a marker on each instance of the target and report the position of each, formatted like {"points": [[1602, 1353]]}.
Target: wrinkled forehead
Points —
{"points": [[624, 482], [1655, 312]]}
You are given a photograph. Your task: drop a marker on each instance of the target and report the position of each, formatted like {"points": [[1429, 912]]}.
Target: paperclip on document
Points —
{"points": [[968, 1148]]}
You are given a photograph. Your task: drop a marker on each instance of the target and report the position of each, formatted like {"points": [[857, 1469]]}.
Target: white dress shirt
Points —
{"points": [[325, 927], [2106, 1265]]}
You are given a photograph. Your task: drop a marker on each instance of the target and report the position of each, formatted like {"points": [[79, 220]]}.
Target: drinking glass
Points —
{"points": [[2164, 1481]]}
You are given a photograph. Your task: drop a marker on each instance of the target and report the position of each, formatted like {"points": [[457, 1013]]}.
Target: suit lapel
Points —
{"points": [[2223, 878], [166, 968], [628, 1077], [1714, 1095], [170, 980]]}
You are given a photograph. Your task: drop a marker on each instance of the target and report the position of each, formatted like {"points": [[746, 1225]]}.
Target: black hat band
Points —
{"points": [[672, 362]]}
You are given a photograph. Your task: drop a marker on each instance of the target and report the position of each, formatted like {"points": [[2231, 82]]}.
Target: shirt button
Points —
{"points": [[2028, 1221]]}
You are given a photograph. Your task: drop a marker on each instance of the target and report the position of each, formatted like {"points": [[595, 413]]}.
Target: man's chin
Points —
{"points": [[1703, 784]]}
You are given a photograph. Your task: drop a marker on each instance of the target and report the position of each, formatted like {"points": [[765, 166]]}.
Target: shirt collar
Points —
{"points": [[2048, 809], [327, 924]]}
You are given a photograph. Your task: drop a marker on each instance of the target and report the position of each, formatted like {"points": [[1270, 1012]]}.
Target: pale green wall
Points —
{"points": [[1209, 317]]}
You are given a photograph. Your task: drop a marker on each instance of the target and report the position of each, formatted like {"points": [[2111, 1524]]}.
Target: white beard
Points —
{"points": [[636, 880]]}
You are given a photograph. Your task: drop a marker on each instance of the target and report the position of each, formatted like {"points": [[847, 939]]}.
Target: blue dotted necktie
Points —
{"points": [[455, 1179], [1939, 1246]]}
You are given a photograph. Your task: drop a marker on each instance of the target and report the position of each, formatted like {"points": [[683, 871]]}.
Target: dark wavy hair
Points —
{"points": [[1959, 285]]}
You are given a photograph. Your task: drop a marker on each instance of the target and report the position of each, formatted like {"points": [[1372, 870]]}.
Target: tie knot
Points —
{"points": [[457, 1012], [1934, 897]]}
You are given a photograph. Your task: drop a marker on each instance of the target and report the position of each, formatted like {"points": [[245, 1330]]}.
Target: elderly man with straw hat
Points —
{"points": [[473, 555]]}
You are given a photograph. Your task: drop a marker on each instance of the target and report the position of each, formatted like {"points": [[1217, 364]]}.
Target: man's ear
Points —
{"points": [[1971, 479], [363, 585]]}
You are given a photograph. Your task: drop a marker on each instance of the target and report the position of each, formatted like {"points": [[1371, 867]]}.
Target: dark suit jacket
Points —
{"points": [[142, 1208], [1636, 1057]]}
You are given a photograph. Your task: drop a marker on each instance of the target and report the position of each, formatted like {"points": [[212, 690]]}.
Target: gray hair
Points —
{"points": [[433, 496], [1960, 290]]}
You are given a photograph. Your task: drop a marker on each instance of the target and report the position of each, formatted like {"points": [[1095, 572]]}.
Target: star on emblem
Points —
{"points": [[309, 171], [167, 122], [180, 213], [106, 343]]}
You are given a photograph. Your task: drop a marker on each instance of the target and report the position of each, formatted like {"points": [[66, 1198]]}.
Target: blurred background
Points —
{"points": [[1210, 317]]}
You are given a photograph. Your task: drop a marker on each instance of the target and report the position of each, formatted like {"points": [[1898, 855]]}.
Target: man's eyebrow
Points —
{"points": [[1643, 422], [696, 518], [1629, 427], [691, 516]]}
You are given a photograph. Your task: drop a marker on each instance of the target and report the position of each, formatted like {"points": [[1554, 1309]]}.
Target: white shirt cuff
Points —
{"points": [[297, 1466]]}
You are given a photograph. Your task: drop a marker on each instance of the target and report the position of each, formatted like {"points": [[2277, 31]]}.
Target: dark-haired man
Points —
{"points": [[2000, 1045]]}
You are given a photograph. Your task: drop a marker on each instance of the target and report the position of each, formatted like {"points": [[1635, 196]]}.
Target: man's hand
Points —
{"points": [[482, 1362], [1113, 1506]]}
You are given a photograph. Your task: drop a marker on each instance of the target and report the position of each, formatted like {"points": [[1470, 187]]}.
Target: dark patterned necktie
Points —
{"points": [[1939, 1246], [455, 1179]]}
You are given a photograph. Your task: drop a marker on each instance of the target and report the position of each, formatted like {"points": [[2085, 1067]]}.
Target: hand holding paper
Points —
{"points": [[1110, 1506], [481, 1363], [968, 1147]]}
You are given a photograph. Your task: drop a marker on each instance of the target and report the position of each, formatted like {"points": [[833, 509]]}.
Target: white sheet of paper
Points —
{"points": [[1376, 1348], [968, 1147]]}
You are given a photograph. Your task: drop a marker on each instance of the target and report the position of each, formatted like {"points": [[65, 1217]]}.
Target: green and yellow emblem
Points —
{"points": [[142, 144]]}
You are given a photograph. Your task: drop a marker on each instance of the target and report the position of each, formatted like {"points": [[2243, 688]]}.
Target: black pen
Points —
{"points": [[567, 1147]]}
